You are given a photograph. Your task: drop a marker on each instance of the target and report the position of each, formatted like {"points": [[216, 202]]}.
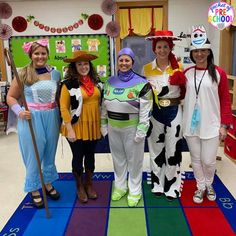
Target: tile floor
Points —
{"points": [[12, 171]]}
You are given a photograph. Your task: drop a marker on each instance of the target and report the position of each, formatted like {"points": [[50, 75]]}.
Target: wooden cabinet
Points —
{"points": [[232, 90], [230, 140]]}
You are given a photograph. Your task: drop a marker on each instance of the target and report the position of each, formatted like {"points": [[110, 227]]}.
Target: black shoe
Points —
{"points": [[170, 199], [38, 204], [158, 194], [53, 196]]}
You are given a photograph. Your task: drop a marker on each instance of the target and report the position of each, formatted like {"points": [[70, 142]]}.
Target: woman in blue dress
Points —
{"points": [[40, 83]]}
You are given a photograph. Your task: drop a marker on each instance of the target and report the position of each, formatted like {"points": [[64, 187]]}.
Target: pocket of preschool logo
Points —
{"points": [[221, 15]]}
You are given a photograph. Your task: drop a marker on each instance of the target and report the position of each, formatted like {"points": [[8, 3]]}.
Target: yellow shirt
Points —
{"points": [[88, 125], [159, 79]]}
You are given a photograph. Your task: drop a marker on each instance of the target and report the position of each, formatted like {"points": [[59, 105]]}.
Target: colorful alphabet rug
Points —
{"points": [[101, 217]]}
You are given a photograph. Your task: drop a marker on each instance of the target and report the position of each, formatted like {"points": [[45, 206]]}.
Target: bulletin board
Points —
{"points": [[62, 46]]}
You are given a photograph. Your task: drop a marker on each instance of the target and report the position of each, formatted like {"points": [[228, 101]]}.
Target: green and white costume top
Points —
{"points": [[127, 102]]}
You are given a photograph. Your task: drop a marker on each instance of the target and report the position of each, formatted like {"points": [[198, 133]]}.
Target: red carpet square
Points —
{"points": [[187, 196], [208, 221]]}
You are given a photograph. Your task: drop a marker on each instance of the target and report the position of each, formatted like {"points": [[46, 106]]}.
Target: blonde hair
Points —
{"points": [[28, 74]]}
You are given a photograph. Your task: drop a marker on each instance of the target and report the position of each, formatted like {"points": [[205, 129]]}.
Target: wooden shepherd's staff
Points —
{"points": [[11, 63]]}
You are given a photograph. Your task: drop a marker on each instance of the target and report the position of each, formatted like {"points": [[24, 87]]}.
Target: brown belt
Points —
{"points": [[166, 102]]}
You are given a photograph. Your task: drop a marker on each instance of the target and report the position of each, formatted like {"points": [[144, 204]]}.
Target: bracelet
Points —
{"points": [[16, 108]]}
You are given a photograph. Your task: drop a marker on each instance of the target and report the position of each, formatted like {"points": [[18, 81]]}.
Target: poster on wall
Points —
{"points": [[62, 46]]}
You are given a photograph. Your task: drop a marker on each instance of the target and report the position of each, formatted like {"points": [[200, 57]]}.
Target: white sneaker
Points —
{"points": [[210, 192], [198, 196]]}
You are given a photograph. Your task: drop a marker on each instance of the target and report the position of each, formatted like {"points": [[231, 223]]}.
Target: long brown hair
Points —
{"points": [[28, 74], [210, 65], [74, 75]]}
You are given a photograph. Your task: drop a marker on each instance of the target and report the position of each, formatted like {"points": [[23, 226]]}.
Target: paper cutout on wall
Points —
{"points": [[19, 24], [56, 29], [93, 44], [109, 7], [76, 45], [5, 10], [95, 22], [101, 70], [60, 46], [30, 18], [5, 31], [113, 29]]}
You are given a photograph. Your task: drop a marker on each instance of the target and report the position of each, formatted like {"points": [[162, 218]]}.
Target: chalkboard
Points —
{"points": [[61, 46]]}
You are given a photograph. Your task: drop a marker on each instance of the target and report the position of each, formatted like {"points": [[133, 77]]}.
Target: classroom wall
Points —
{"points": [[182, 14], [56, 13]]}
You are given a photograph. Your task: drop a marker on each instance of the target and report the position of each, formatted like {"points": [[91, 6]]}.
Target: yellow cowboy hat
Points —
{"points": [[80, 55]]}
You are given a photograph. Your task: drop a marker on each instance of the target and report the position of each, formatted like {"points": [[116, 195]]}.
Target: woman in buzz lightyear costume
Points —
{"points": [[126, 110], [207, 112], [165, 134]]}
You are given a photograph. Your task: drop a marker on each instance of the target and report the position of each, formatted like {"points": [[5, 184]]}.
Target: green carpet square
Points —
{"points": [[152, 201], [127, 221], [167, 222]]}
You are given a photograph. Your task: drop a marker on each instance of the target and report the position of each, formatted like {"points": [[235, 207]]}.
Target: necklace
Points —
{"points": [[43, 70], [196, 115], [197, 88]]}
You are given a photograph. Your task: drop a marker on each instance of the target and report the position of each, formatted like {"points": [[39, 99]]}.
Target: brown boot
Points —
{"points": [[81, 193], [89, 185]]}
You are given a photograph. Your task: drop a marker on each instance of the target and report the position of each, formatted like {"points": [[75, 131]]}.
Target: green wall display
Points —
{"points": [[61, 46]]}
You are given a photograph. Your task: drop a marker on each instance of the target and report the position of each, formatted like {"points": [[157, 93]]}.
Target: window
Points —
{"points": [[137, 20]]}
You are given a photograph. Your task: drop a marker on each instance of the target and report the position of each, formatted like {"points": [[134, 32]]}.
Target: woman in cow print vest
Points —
{"points": [[165, 133], [207, 112], [80, 111]]}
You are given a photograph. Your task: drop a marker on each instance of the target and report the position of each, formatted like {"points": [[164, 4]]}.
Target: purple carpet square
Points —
{"points": [[103, 189], [88, 222]]}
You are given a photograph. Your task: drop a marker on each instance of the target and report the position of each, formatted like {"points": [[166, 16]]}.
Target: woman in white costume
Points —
{"points": [[207, 112], [126, 111]]}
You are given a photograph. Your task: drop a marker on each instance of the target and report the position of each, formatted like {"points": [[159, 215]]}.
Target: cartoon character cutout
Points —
{"points": [[101, 70], [60, 46], [76, 45], [198, 36], [93, 44]]}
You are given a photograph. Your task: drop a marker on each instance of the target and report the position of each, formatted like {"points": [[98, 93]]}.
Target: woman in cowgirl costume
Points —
{"points": [[80, 111], [165, 134]]}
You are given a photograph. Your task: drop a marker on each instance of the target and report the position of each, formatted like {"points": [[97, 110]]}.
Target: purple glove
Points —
{"points": [[16, 108]]}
